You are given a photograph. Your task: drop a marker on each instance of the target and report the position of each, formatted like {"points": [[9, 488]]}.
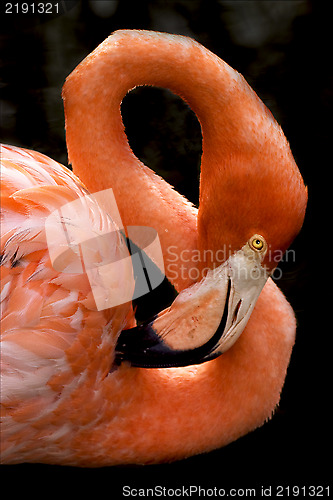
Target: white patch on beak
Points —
{"points": [[247, 278]]}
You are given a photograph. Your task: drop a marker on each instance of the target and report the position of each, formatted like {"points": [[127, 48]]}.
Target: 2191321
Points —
{"points": [[32, 8], [302, 491]]}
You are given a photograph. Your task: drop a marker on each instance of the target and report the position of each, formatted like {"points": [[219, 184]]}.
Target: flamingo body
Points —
{"points": [[63, 399]]}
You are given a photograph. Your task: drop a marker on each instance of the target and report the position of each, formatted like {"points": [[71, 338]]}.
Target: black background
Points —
{"points": [[284, 50]]}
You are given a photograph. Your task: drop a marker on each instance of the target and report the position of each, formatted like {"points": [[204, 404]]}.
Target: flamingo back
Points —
{"points": [[53, 337]]}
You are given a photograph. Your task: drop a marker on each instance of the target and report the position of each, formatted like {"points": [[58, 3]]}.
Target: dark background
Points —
{"points": [[284, 50]]}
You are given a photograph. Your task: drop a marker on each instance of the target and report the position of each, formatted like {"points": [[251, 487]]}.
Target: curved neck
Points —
{"points": [[235, 126]]}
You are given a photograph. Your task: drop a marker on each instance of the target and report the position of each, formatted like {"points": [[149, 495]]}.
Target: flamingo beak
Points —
{"points": [[205, 320]]}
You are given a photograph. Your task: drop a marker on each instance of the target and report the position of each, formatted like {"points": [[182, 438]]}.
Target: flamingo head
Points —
{"points": [[252, 218], [257, 192], [206, 318]]}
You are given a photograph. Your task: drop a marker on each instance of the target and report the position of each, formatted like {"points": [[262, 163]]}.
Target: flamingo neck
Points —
{"points": [[235, 126]]}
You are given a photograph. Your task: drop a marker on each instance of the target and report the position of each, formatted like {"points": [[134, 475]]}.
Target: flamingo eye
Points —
{"points": [[257, 242]]}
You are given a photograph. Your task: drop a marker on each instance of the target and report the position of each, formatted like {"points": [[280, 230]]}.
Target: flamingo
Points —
{"points": [[86, 386]]}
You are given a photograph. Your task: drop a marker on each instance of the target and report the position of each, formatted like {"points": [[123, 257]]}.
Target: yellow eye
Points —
{"points": [[257, 242]]}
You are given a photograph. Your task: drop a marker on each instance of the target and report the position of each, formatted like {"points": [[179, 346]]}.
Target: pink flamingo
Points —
{"points": [[83, 386]]}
